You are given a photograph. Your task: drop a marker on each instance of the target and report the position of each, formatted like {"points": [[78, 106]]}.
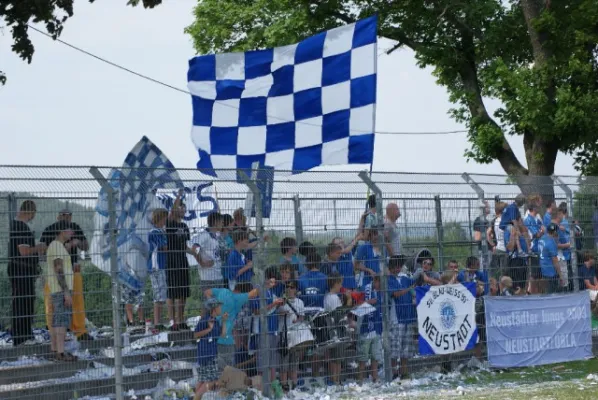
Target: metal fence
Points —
{"points": [[115, 353]]}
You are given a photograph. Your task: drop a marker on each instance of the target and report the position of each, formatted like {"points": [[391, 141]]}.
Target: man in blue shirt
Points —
{"points": [[550, 207], [367, 257], [335, 262], [565, 240], [313, 284], [403, 316], [207, 332], [472, 273], [549, 263], [232, 303], [238, 268], [536, 231], [511, 214], [288, 248]]}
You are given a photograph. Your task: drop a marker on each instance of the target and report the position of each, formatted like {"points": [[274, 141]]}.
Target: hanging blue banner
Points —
{"points": [[536, 330]]}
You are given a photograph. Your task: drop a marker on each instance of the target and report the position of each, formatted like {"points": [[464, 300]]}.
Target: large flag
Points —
{"points": [[145, 170], [446, 318], [292, 108]]}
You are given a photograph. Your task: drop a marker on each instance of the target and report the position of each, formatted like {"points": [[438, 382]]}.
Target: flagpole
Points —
{"points": [[374, 113]]}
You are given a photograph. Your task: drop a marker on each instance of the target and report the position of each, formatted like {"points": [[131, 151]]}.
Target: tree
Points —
{"points": [[18, 14], [536, 56]]}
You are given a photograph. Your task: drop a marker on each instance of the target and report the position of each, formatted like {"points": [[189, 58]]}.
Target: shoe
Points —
{"points": [[523, 255], [85, 337]]}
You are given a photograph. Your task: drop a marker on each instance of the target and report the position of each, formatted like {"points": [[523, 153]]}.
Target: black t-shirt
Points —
{"points": [[177, 236], [20, 234], [50, 233]]}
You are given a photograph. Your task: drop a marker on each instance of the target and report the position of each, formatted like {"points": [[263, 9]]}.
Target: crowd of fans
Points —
{"points": [[526, 254]]}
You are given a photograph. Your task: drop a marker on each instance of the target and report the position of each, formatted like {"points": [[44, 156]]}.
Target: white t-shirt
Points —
{"points": [[332, 302], [500, 235], [392, 230], [291, 316], [210, 250]]}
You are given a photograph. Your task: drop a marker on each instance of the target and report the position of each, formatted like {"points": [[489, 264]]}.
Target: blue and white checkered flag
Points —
{"points": [[145, 170], [293, 108]]}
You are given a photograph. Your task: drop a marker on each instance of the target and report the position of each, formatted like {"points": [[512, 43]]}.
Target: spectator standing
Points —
{"points": [[511, 214], [549, 262], [288, 248], [177, 266], [313, 284], [587, 276], [23, 260], [367, 257], [293, 310], [426, 275], [369, 344], [565, 241], [550, 207], [332, 301], [238, 268], [392, 241], [232, 304], [498, 235], [59, 277], [595, 223], [156, 264], [335, 262], [210, 265], [77, 243], [480, 226], [536, 230], [403, 317]]}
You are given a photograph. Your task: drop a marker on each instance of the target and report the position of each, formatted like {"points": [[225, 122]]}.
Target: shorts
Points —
{"points": [[403, 340], [272, 355], [290, 362], [209, 372], [61, 314], [535, 271], [336, 354], [369, 349], [130, 296], [159, 290], [177, 280]]}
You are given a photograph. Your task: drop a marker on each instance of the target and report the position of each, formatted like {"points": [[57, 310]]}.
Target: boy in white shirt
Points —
{"points": [[294, 312], [332, 301]]}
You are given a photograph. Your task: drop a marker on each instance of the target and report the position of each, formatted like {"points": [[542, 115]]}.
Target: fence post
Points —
{"points": [[569, 194], [259, 279], [484, 259], [298, 219], [383, 280], [335, 219], [439, 229], [116, 318]]}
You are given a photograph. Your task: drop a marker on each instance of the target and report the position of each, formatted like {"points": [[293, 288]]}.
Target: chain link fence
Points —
{"points": [[115, 341]]}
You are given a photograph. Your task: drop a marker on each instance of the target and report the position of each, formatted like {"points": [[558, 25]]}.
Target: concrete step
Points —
{"points": [[59, 370]]}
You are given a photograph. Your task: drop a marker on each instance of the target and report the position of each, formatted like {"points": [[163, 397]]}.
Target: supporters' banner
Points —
{"points": [[537, 330], [264, 179], [198, 199], [145, 170], [294, 107], [446, 318]]}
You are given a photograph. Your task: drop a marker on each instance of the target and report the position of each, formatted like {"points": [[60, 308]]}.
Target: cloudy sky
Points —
{"points": [[67, 108]]}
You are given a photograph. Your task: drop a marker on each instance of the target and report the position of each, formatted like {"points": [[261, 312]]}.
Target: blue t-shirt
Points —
{"points": [[272, 318], [548, 249], [295, 260], [586, 273], [344, 266], [404, 307], [313, 286], [477, 276], [236, 261], [565, 237], [232, 303], [511, 213], [547, 219], [372, 322], [207, 346], [533, 226], [365, 255], [157, 242]]}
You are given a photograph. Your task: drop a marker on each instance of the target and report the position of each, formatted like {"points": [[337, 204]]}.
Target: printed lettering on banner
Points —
{"points": [[446, 318]]}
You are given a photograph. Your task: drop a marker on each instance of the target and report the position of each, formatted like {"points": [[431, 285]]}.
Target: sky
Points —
{"points": [[67, 108]]}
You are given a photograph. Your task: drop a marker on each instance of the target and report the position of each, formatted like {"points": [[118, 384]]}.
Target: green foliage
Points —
{"points": [[539, 61], [18, 14]]}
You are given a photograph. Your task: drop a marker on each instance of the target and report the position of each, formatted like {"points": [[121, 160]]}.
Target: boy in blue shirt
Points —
{"points": [[369, 344], [156, 263], [288, 248], [549, 262], [472, 273], [313, 285], [207, 331], [238, 268], [403, 316], [511, 214], [367, 257], [335, 262]]}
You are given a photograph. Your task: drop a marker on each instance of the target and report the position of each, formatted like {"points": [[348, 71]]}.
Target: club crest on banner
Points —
{"points": [[446, 318]]}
